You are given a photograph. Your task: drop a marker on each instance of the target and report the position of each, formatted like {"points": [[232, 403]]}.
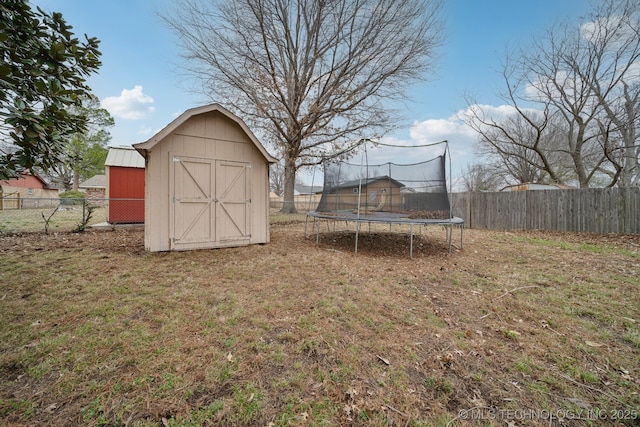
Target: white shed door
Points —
{"points": [[233, 201], [210, 203]]}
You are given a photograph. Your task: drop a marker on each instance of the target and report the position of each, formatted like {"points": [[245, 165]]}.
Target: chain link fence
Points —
{"points": [[303, 202], [25, 214]]}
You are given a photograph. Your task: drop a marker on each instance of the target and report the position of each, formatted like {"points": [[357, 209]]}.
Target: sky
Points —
{"points": [[141, 83]]}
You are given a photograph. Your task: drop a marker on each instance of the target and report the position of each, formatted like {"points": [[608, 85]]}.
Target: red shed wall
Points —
{"points": [[126, 183]]}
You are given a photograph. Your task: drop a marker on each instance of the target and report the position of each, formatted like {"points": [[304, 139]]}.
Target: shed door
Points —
{"points": [[233, 201], [210, 203]]}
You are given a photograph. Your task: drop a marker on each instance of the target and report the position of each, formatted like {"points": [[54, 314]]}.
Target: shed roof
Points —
{"points": [[124, 157], [96, 181], [151, 142]]}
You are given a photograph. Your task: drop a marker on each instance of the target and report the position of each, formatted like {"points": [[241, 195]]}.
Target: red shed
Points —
{"points": [[124, 170]]}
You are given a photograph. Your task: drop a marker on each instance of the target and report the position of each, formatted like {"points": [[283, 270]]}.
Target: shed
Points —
{"points": [[124, 172], [207, 181]]}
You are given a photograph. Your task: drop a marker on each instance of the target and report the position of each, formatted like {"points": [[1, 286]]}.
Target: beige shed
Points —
{"points": [[207, 183]]}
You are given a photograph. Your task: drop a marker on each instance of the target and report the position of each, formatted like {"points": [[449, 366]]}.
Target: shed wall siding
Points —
{"points": [[125, 183], [208, 136]]}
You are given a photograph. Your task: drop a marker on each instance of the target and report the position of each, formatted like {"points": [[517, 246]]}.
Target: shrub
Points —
{"points": [[71, 197]]}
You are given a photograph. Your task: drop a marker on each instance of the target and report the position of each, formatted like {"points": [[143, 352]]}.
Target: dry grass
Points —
{"points": [[96, 331]]}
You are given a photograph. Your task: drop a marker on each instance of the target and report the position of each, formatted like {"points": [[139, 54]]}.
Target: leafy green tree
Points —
{"points": [[43, 70], [85, 152]]}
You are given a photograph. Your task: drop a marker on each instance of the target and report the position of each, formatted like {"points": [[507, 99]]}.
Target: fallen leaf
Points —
{"points": [[385, 361]]}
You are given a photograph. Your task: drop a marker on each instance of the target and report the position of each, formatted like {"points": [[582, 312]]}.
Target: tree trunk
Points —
{"points": [[288, 204], [76, 181]]}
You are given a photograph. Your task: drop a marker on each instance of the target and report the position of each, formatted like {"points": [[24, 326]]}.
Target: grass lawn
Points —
{"points": [[518, 328], [51, 219]]}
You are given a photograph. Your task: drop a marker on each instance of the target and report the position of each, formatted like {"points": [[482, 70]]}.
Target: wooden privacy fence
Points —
{"points": [[597, 210]]}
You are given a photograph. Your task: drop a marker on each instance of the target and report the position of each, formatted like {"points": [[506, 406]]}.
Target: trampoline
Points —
{"points": [[407, 194]]}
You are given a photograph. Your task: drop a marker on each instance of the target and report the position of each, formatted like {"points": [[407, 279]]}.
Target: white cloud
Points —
{"points": [[487, 112], [460, 137], [435, 130], [132, 104], [612, 30]]}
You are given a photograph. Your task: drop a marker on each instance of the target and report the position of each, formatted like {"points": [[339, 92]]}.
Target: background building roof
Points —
{"points": [[96, 181]]}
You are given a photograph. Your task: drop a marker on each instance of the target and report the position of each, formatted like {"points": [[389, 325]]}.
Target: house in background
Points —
{"points": [[306, 190], [207, 181], [124, 182], [527, 186], [94, 187], [379, 193], [15, 193]]}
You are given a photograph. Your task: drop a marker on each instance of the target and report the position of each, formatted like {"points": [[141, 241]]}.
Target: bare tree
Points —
{"points": [[521, 144], [580, 84], [313, 75], [482, 177], [276, 178]]}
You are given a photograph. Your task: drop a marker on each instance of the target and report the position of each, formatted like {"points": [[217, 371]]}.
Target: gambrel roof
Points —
{"points": [[143, 147]]}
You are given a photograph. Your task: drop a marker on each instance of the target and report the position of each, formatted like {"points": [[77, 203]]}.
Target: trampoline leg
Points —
{"points": [[318, 232], [411, 241], [306, 219], [357, 230]]}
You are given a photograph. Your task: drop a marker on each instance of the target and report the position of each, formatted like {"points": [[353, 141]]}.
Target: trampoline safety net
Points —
{"points": [[387, 191]]}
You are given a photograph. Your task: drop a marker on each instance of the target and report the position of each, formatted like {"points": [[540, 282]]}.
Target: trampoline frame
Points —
{"points": [[387, 218]]}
